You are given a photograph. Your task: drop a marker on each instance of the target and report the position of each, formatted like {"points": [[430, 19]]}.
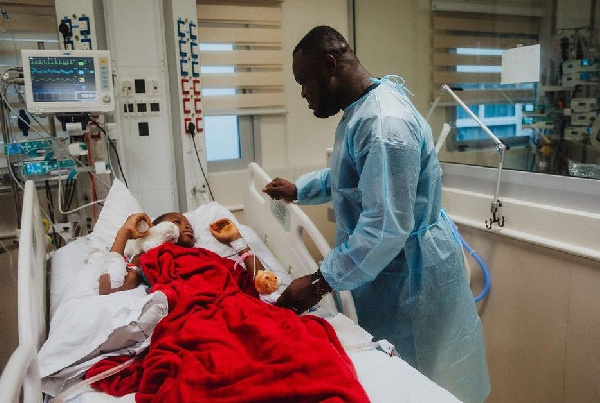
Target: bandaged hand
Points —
{"points": [[299, 295], [224, 230], [281, 189]]}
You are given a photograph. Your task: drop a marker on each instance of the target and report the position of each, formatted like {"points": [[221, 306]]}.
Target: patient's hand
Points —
{"points": [[136, 226], [104, 284], [132, 280], [224, 230]]}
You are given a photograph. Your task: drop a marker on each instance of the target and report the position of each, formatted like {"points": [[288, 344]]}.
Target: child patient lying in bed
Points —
{"points": [[219, 342], [136, 228]]}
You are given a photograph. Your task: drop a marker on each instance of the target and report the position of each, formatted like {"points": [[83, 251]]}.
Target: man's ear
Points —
{"points": [[330, 63]]}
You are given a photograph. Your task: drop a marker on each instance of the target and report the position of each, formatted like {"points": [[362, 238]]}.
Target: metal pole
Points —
{"points": [[500, 146]]}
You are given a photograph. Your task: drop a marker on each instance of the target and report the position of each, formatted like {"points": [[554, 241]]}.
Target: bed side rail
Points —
{"points": [[31, 284], [21, 373], [282, 226]]}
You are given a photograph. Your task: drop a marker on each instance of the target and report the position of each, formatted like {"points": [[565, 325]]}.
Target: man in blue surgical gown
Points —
{"points": [[394, 246]]}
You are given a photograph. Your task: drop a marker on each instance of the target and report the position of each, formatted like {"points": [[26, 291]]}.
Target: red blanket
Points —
{"points": [[219, 343]]}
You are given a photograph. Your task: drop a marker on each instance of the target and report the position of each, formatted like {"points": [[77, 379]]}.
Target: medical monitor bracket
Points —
{"points": [[61, 81]]}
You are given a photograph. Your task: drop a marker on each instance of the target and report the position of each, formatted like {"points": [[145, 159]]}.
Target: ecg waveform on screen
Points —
{"points": [[62, 79], [57, 74], [55, 61]]}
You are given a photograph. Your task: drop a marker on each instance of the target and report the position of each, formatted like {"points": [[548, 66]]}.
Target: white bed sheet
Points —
{"points": [[385, 378]]}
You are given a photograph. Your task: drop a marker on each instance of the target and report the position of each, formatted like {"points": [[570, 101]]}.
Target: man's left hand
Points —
{"points": [[298, 296]]}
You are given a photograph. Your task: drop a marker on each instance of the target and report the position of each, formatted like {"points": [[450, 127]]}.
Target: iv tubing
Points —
{"points": [[487, 282]]}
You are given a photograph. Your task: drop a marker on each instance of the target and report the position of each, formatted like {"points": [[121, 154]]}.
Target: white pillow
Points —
{"points": [[69, 277], [119, 205], [200, 218], [210, 212]]}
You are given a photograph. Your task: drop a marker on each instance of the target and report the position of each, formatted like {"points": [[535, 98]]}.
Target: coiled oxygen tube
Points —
{"points": [[487, 280]]}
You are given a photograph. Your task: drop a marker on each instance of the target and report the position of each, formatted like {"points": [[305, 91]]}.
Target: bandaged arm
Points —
{"points": [[119, 276]]}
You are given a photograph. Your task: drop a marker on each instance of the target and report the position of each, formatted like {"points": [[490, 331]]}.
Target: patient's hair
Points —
{"points": [[160, 218]]}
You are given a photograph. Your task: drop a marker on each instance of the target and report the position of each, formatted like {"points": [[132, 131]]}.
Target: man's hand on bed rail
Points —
{"points": [[280, 188]]}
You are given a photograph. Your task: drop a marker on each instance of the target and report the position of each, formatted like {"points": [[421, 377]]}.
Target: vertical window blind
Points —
{"points": [[468, 40], [241, 57]]}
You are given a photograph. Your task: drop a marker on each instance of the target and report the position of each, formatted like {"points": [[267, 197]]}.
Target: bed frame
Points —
{"points": [[21, 372], [282, 226]]}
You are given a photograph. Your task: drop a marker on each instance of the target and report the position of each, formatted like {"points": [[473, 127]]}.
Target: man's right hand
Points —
{"points": [[281, 189]]}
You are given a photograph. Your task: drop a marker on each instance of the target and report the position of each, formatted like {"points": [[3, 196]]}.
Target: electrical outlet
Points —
{"points": [[65, 230], [85, 45], [154, 87], [112, 131], [126, 88], [199, 189]]}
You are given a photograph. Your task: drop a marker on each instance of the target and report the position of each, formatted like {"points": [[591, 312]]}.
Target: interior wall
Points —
{"points": [[540, 320]]}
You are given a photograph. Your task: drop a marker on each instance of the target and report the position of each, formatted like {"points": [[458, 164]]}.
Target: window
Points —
{"points": [[242, 76], [504, 120], [468, 44], [222, 132]]}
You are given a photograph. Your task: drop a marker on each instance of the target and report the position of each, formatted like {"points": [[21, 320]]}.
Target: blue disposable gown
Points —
{"points": [[394, 247]]}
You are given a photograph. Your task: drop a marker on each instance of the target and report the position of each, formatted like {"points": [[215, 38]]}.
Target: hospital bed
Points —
{"points": [[282, 228]]}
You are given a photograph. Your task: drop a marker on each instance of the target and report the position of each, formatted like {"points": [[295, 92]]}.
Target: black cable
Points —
{"points": [[49, 200], [71, 194], [191, 129], [202, 169], [118, 160], [114, 149], [50, 203], [66, 32], [65, 195]]}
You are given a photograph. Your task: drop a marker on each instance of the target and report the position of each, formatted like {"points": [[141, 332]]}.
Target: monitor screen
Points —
{"points": [[59, 79], [67, 81]]}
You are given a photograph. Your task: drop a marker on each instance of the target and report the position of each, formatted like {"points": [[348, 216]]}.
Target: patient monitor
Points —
{"points": [[59, 81]]}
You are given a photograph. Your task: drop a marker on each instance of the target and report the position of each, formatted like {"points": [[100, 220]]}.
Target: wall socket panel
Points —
{"points": [[126, 88]]}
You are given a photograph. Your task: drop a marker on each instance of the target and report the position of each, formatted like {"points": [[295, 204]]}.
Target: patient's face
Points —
{"points": [[186, 233]]}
